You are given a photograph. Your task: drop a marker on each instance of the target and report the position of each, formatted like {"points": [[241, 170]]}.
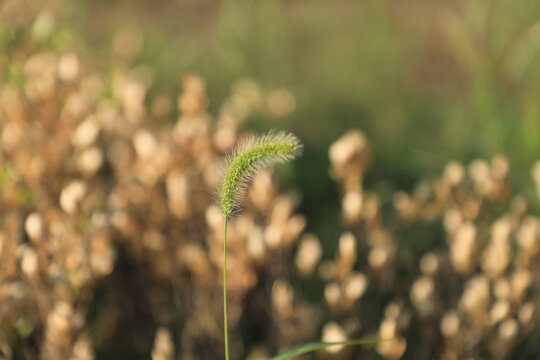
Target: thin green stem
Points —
{"points": [[225, 326]]}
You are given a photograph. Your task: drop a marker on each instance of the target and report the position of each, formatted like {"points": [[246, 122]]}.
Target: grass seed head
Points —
{"points": [[248, 158]]}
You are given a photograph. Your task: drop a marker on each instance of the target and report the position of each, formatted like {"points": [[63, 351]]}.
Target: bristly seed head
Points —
{"points": [[248, 158]]}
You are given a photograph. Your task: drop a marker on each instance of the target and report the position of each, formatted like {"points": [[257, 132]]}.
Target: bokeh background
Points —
{"points": [[412, 213]]}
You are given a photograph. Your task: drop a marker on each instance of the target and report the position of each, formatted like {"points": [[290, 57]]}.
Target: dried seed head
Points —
{"points": [[333, 332], [450, 323], [250, 157], [163, 345]]}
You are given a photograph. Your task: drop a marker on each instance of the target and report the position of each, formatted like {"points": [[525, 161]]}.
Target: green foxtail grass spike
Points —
{"points": [[242, 165], [248, 158]]}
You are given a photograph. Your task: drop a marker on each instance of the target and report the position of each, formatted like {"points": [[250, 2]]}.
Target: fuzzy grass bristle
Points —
{"points": [[248, 158]]}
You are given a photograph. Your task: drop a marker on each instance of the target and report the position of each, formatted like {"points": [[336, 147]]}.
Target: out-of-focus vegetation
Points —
{"points": [[110, 146], [428, 81]]}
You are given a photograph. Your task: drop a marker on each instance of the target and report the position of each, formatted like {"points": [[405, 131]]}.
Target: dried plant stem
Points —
{"points": [[225, 326]]}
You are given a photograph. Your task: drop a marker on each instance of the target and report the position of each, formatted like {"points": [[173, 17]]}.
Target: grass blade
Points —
{"points": [[314, 346]]}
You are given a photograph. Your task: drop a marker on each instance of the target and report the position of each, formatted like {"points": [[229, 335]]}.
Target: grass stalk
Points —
{"points": [[225, 323]]}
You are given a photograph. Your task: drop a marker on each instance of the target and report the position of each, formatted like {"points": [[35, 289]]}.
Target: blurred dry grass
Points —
{"points": [[110, 237], [474, 296], [88, 179]]}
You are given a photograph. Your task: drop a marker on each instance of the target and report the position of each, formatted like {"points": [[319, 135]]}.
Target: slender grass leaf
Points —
{"points": [[314, 346]]}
